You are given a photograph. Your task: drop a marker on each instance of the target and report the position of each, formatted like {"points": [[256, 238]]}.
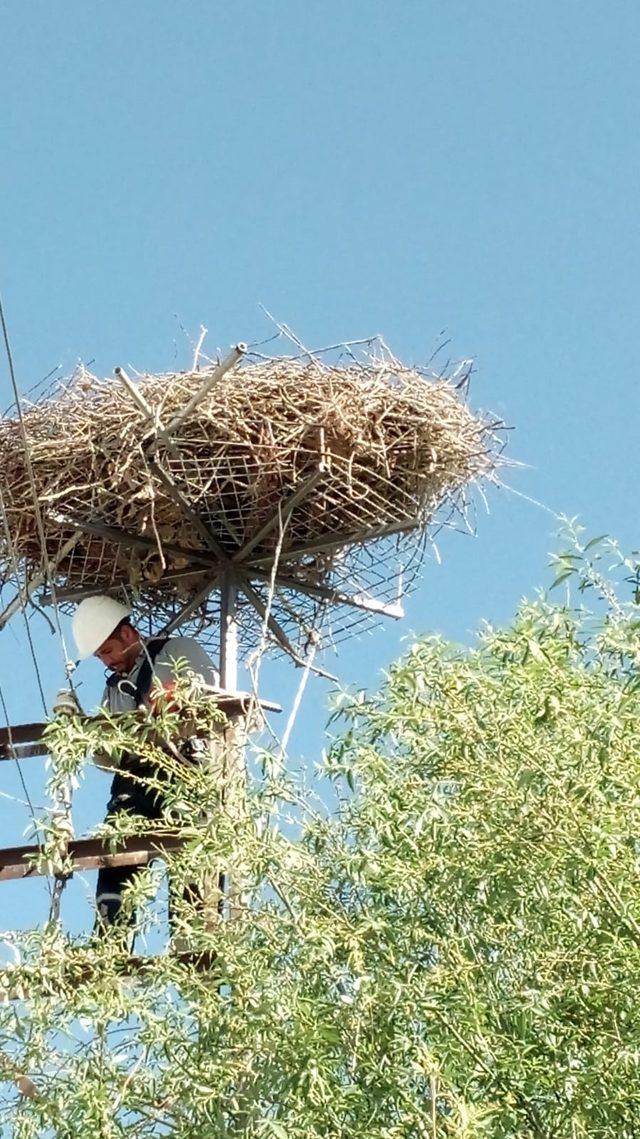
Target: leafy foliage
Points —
{"points": [[454, 952]]}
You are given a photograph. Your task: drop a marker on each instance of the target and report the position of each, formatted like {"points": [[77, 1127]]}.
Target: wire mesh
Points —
{"points": [[328, 477]]}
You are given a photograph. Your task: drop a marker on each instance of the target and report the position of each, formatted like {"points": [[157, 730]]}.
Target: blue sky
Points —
{"points": [[400, 167]]}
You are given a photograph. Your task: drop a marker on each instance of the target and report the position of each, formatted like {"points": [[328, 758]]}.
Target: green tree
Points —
{"points": [[453, 952]]}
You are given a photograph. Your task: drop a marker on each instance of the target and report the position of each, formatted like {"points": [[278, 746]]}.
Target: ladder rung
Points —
{"points": [[84, 972], [90, 854]]}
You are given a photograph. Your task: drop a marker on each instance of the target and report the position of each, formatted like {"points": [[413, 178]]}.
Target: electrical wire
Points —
{"points": [[56, 889], [36, 666], [34, 492], [51, 888], [25, 789], [16, 571]]}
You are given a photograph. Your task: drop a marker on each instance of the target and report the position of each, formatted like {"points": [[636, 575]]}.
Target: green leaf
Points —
{"points": [[594, 542], [536, 652], [562, 576]]}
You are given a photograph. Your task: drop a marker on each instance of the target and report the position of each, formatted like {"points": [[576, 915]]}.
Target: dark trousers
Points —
{"points": [[112, 881], [135, 798]]}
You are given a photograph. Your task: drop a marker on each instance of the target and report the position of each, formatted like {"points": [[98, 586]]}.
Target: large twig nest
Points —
{"points": [[380, 448]]}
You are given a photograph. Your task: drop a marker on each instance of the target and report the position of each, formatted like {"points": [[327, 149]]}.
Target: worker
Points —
{"points": [[102, 627]]}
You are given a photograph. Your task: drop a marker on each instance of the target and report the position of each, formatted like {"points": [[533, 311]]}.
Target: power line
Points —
{"points": [[34, 491], [17, 761], [55, 890], [16, 570]]}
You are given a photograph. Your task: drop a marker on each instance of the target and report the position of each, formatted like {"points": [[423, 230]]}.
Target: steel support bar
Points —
{"points": [[164, 433], [135, 394], [90, 854], [46, 599], [274, 628], [334, 541], [283, 514], [209, 383], [176, 494], [335, 596], [137, 541], [190, 607], [279, 634]]}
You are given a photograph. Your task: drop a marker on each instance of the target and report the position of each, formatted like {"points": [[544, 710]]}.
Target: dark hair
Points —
{"points": [[119, 626]]}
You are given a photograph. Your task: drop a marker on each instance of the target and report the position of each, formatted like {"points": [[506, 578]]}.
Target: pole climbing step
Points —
{"points": [[81, 972], [22, 741], [89, 854]]}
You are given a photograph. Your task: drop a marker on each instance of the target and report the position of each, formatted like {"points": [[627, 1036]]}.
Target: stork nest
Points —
{"points": [[294, 461]]}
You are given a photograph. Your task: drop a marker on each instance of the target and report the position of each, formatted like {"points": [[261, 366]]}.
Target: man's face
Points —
{"points": [[120, 650]]}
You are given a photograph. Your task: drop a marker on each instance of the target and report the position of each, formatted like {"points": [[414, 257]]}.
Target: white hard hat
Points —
{"points": [[94, 620]]}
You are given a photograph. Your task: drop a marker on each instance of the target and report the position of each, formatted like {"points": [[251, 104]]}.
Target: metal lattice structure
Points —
{"points": [[292, 494]]}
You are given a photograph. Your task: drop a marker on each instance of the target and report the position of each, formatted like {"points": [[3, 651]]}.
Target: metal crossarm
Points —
{"points": [[89, 854]]}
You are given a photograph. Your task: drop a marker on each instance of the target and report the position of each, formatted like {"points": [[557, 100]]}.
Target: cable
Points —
{"points": [[55, 890], [16, 569], [532, 501], [34, 492], [17, 761], [36, 666], [25, 790]]}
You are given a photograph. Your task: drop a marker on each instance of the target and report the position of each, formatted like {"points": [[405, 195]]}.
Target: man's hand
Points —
{"points": [[161, 698]]}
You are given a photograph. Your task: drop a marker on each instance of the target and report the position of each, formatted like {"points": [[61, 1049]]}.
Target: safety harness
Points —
{"points": [[139, 689], [132, 794]]}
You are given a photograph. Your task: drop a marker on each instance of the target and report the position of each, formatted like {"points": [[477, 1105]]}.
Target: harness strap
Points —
{"points": [[140, 688], [143, 682]]}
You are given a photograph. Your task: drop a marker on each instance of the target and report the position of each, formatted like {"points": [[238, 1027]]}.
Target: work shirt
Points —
{"points": [[120, 697]]}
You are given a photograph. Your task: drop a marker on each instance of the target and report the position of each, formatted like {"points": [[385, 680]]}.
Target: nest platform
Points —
{"points": [[314, 485]]}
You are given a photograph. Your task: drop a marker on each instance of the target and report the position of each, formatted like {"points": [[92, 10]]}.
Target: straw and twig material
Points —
{"points": [[329, 468]]}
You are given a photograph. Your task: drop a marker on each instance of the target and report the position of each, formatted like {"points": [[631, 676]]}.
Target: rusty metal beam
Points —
{"points": [[21, 733], [22, 751], [135, 541], [29, 980], [20, 741], [90, 854]]}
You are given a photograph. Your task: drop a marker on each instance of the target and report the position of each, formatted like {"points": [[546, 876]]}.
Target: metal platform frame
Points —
{"points": [[231, 574]]}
